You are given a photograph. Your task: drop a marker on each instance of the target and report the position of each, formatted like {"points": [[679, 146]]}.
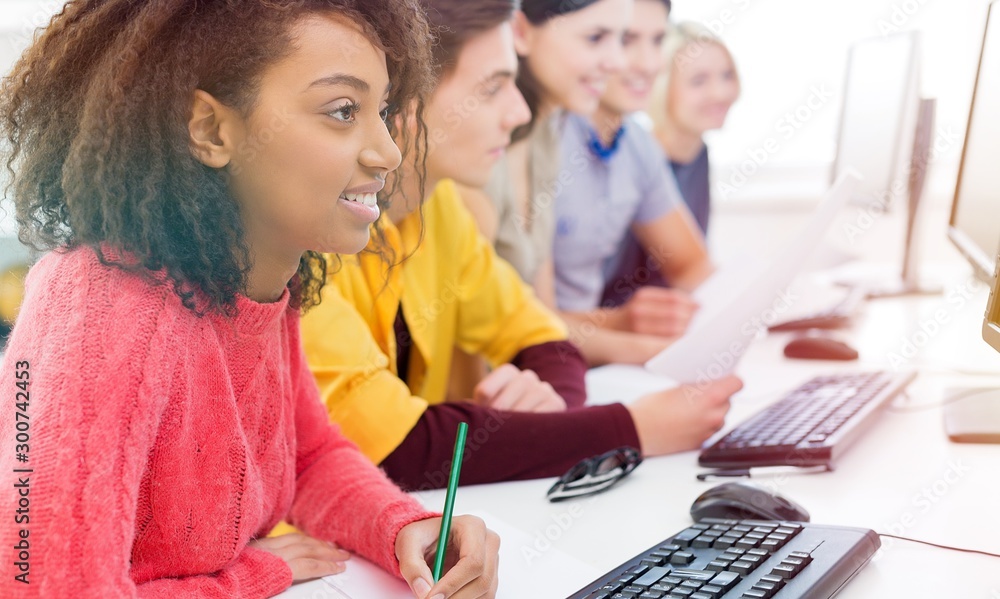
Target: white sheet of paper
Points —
{"points": [[525, 573], [717, 339]]}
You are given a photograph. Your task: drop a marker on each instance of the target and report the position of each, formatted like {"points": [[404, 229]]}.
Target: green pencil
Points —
{"points": [[449, 499]]}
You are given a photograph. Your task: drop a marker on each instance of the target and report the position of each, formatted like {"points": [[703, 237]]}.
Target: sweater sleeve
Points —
{"points": [[340, 495], [504, 446], [91, 406]]}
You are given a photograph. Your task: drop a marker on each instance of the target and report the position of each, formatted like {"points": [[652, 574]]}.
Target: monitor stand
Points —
{"points": [[973, 415], [909, 282]]}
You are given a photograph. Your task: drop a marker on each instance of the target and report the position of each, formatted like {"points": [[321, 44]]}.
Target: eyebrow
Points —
{"points": [[349, 80]]}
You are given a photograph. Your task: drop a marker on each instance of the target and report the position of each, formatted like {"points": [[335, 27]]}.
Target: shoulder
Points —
{"points": [[641, 144], [74, 288]]}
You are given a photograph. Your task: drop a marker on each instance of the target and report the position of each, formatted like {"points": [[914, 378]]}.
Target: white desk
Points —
{"points": [[903, 477]]}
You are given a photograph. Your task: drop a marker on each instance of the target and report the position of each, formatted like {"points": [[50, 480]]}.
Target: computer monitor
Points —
{"points": [[885, 136], [973, 415], [974, 226], [879, 114]]}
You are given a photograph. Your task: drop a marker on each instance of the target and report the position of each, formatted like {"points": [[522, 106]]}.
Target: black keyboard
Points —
{"points": [[811, 425], [755, 559]]}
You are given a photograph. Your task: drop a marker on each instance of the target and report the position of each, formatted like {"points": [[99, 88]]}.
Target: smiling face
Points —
{"points": [[315, 150], [474, 109], [573, 55], [629, 89], [703, 86]]}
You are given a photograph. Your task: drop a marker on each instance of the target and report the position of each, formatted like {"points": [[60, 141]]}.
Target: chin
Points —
{"points": [[346, 244]]}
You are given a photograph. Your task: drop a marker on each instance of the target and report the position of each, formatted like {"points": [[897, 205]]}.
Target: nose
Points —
{"points": [[380, 151], [651, 62], [614, 57], [518, 112]]}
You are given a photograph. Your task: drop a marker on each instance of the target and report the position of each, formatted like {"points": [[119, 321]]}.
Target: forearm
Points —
{"points": [[601, 342], [693, 273], [254, 574], [506, 446], [340, 495]]}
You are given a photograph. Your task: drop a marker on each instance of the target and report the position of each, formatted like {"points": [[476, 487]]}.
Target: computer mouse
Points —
{"points": [[746, 501], [815, 347]]}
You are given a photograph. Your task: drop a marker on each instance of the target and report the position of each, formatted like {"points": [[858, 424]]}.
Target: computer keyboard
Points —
{"points": [[811, 425], [753, 559]]}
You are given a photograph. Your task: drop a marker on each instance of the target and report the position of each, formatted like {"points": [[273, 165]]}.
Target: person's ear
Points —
{"points": [[211, 130], [523, 33]]}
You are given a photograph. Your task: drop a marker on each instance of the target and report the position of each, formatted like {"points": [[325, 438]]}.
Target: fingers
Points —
{"points": [[306, 557], [662, 312], [306, 568], [310, 548], [411, 545], [724, 387], [525, 392], [517, 386], [474, 575], [296, 544], [491, 385], [547, 400]]}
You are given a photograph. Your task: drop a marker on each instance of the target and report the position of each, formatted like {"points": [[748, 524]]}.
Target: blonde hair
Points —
{"points": [[680, 37]]}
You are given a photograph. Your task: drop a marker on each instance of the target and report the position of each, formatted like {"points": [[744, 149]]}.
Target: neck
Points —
{"points": [[410, 194], [606, 123], [679, 144], [545, 109], [270, 274]]}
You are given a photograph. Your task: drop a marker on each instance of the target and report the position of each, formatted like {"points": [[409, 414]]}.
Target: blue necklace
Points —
{"points": [[599, 149]]}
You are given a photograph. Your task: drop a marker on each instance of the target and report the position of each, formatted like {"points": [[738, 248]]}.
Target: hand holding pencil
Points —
{"points": [[462, 547]]}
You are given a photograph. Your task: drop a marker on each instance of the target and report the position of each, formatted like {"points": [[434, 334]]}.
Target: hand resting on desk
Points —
{"points": [[307, 557], [509, 388]]}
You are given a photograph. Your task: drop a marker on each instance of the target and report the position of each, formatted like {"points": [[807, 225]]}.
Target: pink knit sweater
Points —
{"points": [[160, 443]]}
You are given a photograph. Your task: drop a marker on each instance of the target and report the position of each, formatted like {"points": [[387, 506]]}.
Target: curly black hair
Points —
{"points": [[95, 115]]}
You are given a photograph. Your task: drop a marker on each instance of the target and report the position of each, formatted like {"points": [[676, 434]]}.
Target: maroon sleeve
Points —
{"points": [[560, 364], [505, 446]]}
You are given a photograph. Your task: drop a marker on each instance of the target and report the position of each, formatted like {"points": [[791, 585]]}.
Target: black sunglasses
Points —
{"points": [[595, 474]]}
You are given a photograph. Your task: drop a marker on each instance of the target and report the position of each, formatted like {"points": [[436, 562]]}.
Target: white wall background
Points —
{"points": [[18, 20], [786, 50]]}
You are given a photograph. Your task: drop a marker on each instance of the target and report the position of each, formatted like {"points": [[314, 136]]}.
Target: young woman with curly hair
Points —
{"points": [[187, 162]]}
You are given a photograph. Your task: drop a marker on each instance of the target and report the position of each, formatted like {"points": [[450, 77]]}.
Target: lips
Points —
{"points": [[596, 86]]}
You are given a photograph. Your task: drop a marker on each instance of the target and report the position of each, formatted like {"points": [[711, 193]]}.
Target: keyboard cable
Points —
{"points": [[987, 553]]}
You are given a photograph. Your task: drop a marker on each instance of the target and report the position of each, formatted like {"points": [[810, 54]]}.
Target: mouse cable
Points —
{"points": [[987, 553]]}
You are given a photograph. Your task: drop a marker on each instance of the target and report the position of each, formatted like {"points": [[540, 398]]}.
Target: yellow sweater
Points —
{"points": [[454, 291]]}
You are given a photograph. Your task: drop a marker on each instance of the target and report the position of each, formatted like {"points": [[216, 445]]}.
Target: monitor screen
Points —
{"points": [[878, 115], [975, 214]]}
